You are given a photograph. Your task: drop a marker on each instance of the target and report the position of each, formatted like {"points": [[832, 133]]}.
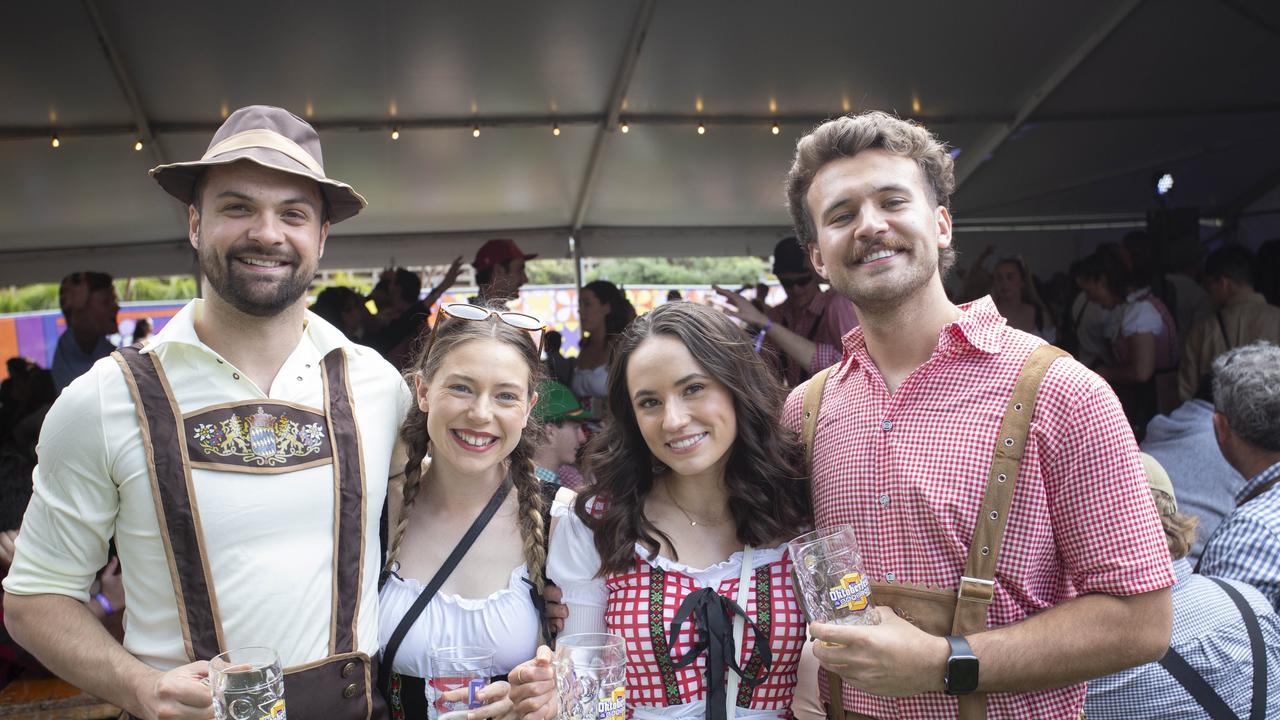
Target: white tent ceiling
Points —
{"points": [[1060, 110]]}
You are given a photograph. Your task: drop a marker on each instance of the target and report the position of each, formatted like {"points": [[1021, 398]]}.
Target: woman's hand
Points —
{"points": [[496, 697], [533, 687], [112, 585]]}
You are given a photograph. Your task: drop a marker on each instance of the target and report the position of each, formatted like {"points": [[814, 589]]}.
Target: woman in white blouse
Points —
{"points": [[697, 489], [474, 385], [604, 312], [1143, 338]]}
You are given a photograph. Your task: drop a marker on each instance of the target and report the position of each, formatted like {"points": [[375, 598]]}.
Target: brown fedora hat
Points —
{"points": [[271, 137]]}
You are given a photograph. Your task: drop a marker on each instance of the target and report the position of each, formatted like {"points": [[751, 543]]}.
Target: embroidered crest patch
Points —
{"points": [[265, 437]]}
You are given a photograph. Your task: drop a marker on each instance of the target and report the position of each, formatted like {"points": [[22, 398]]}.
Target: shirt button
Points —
{"points": [[888, 577], [299, 378], [235, 375], [219, 361], [887, 425], [884, 500]]}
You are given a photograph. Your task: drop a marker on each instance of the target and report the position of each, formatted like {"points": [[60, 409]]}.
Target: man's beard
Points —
{"points": [[881, 294], [257, 296]]}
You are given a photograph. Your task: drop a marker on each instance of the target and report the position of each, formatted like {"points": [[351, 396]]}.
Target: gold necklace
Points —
{"points": [[687, 516]]}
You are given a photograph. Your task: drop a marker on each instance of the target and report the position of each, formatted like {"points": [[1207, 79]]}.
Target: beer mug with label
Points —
{"points": [[591, 676], [829, 579], [247, 684]]}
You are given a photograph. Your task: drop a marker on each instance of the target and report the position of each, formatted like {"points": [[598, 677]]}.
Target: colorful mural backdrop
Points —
{"points": [[35, 335]]}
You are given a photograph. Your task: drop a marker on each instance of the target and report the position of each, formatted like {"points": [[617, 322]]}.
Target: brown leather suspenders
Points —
{"points": [[964, 610], [340, 686]]}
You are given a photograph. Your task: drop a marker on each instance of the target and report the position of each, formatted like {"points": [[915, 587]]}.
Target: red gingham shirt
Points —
{"points": [[909, 470]]}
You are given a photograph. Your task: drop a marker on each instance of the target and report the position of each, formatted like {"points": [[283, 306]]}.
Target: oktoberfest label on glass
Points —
{"points": [[829, 579], [247, 684], [591, 675]]}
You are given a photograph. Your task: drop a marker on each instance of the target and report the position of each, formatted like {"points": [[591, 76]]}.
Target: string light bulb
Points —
{"points": [[137, 145], [55, 142], [702, 129], [395, 133], [775, 130], [475, 131], [555, 129], [624, 127]]}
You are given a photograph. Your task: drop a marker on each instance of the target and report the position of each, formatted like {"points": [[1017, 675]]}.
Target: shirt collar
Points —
{"points": [[545, 475], [181, 330], [1245, 297], [1257, 481], [980, 325], [1139, 294]]}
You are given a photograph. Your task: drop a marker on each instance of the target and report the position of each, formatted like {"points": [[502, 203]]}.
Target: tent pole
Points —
{"points": [[575, 249]]}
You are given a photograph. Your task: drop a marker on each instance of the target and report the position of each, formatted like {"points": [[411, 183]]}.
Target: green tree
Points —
{"points": [[680, 271], [41, 296], [551, 271], [173, 287]]}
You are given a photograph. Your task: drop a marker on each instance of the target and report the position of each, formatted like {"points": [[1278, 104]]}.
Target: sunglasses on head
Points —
{"points": [[467, 311], [796, 281]]}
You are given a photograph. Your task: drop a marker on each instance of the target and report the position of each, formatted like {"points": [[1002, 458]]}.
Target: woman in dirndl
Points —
{"points": [[680, 544]]}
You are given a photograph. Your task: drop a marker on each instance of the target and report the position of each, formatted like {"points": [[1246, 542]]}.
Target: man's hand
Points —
{"points": [[555, 610], [180, 694], [7, 540], [533, 687], [451, 275], [893, 659], [740, 308]]}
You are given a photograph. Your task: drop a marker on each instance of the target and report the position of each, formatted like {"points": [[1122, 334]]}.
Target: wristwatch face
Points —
{"points": [[962, 674]]}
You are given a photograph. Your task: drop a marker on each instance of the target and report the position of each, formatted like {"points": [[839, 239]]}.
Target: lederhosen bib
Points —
{"points": [[338, 687], [964, 610]]}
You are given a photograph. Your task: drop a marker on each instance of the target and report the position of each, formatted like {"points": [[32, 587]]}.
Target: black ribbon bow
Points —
{"points": [[713, 620]]}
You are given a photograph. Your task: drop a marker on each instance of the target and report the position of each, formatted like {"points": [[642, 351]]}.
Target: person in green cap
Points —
{"points": [[562, 417]]}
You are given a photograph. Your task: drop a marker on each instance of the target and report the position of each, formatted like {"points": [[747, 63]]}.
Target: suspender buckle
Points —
{"points": [[976, 590]]}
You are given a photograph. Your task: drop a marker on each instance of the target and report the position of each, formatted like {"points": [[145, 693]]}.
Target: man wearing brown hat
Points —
{"points": [[240, 460], [500, 272]]}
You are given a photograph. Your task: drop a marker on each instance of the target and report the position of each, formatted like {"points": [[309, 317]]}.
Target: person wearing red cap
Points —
{"points": [[500, 272]]}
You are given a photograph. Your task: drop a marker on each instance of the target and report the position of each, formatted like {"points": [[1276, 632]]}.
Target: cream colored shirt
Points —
{"points": [[269, 537], [1246, 318]]}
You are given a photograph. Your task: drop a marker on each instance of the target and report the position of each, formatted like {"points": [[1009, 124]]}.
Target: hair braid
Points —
{"points": [[414, 435], [529, 498]]}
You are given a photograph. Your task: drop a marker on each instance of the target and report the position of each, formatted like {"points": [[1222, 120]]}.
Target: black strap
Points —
{"points": [[1206, 696], [411, 616], [1258, 708], [711, 613]]}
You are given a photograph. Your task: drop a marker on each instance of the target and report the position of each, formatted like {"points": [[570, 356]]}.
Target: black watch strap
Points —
{"points": [[962, 667]]}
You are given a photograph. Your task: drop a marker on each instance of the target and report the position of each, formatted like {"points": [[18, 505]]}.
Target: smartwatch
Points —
{"points": [[962, 667]]}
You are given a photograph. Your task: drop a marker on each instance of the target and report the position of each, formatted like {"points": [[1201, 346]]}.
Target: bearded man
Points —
{"points": [[240, 459]]}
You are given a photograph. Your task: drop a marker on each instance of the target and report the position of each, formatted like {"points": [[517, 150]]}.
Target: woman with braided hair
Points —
{"points": [[680, 544], [470, 470]]}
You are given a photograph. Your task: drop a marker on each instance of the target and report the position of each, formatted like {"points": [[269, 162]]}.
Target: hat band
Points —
{"points": [[266, 139]]}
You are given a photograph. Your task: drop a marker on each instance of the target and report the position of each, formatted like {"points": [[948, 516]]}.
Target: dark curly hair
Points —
{"points": [[768, 487]]}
